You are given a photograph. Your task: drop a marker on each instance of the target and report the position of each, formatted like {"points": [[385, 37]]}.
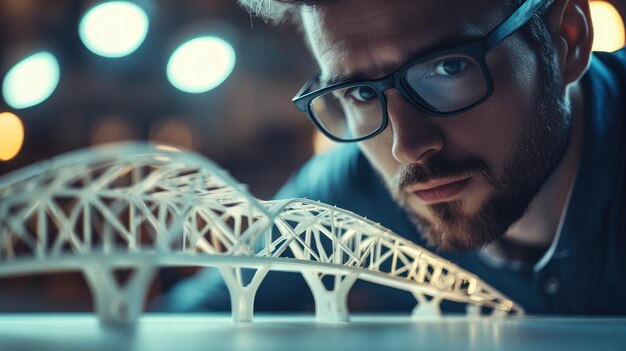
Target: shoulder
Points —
{"points": [[329, 176], [607, 71], [613, 60], [604, 87]]}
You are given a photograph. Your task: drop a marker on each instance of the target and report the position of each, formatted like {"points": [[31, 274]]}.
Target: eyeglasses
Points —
{"points": [[442, 84]]}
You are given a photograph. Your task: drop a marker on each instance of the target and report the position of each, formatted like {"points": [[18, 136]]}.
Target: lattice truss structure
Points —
{"points": [[136, 208]]}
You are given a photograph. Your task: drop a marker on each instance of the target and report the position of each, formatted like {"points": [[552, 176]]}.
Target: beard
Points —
{"points": [[541, 147]]}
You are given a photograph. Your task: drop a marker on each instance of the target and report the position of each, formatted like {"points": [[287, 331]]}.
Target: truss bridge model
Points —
{"points": [[137, 208]]}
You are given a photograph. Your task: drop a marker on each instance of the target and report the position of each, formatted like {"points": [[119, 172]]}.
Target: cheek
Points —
{"points": [[514, 71], [493, 130]]}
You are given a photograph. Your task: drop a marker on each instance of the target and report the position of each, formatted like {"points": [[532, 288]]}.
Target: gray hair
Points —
{"points": [[269, 10], [278, 11]]}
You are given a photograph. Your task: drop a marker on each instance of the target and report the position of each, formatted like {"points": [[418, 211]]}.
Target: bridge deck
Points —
{"points": [[128, 260]]}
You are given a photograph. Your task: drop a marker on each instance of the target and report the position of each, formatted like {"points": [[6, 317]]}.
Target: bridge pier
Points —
{"points": [[473, 310], [330, 304], [498, 313], [242, 295], [426, 308], [117, 303]]}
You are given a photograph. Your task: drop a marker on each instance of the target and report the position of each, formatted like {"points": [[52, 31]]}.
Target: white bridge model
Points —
{"points": [[136, 208]]}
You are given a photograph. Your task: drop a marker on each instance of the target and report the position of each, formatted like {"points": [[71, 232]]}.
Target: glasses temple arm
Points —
{"points": [[514, 22]]}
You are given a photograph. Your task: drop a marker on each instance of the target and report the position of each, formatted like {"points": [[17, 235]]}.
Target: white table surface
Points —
{"points": [[291, 332]]}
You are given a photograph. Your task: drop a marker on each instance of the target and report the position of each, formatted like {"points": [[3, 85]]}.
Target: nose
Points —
{"points": [[416, 138]]}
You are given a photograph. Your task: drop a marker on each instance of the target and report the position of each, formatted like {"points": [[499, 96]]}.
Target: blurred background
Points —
{"points": [[196, 74]]}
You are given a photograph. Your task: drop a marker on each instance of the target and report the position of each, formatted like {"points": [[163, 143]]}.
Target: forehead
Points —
{"points": [[372, 37]]}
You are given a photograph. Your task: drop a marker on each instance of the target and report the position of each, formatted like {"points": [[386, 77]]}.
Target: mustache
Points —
{"points": [[438, 168]]}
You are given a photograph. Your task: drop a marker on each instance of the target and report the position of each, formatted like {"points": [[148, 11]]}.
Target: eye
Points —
{"points": [[362, 94], [450, 67]]}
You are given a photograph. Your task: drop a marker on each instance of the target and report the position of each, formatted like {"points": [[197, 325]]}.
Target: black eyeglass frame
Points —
{"points": [[477, 50]]}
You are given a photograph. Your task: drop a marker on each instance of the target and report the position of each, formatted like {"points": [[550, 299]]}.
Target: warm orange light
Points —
{"points": [[112, 129], [321, 143], [174, 132], [11, 135], [608, 27]]}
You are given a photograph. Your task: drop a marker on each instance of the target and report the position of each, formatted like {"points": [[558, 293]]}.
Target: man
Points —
{"points": [[486, 126]]}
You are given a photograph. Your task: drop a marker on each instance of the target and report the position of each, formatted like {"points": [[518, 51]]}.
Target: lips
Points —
{"points": [[440, 190]]}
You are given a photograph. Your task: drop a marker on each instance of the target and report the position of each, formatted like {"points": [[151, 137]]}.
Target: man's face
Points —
{"points": [[464, 179]]}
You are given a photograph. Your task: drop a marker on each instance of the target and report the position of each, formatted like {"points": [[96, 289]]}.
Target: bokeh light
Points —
{"points": [[608, 27], [174, 132], [31, 81], [11, 135], [112, 129], [114, 28], [201, 64]]}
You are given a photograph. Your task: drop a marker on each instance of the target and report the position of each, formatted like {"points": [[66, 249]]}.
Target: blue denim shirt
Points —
{"points": [[583, 273]]}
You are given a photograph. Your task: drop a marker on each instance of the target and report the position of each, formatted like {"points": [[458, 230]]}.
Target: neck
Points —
{"points": [[529, 238]]}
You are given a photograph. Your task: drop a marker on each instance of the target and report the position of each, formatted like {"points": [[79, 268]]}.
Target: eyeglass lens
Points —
{"points": [[349, 113], [444, 84], [447, 84]]}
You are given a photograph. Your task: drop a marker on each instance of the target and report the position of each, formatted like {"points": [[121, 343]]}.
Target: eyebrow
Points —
{"points": [[441, 45], [340, 78]]}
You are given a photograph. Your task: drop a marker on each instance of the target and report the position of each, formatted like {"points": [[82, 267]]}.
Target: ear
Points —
{"points": [[573, 37]]}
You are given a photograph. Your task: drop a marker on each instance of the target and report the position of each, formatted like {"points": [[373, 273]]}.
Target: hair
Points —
{"points": [[278, 11]]}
